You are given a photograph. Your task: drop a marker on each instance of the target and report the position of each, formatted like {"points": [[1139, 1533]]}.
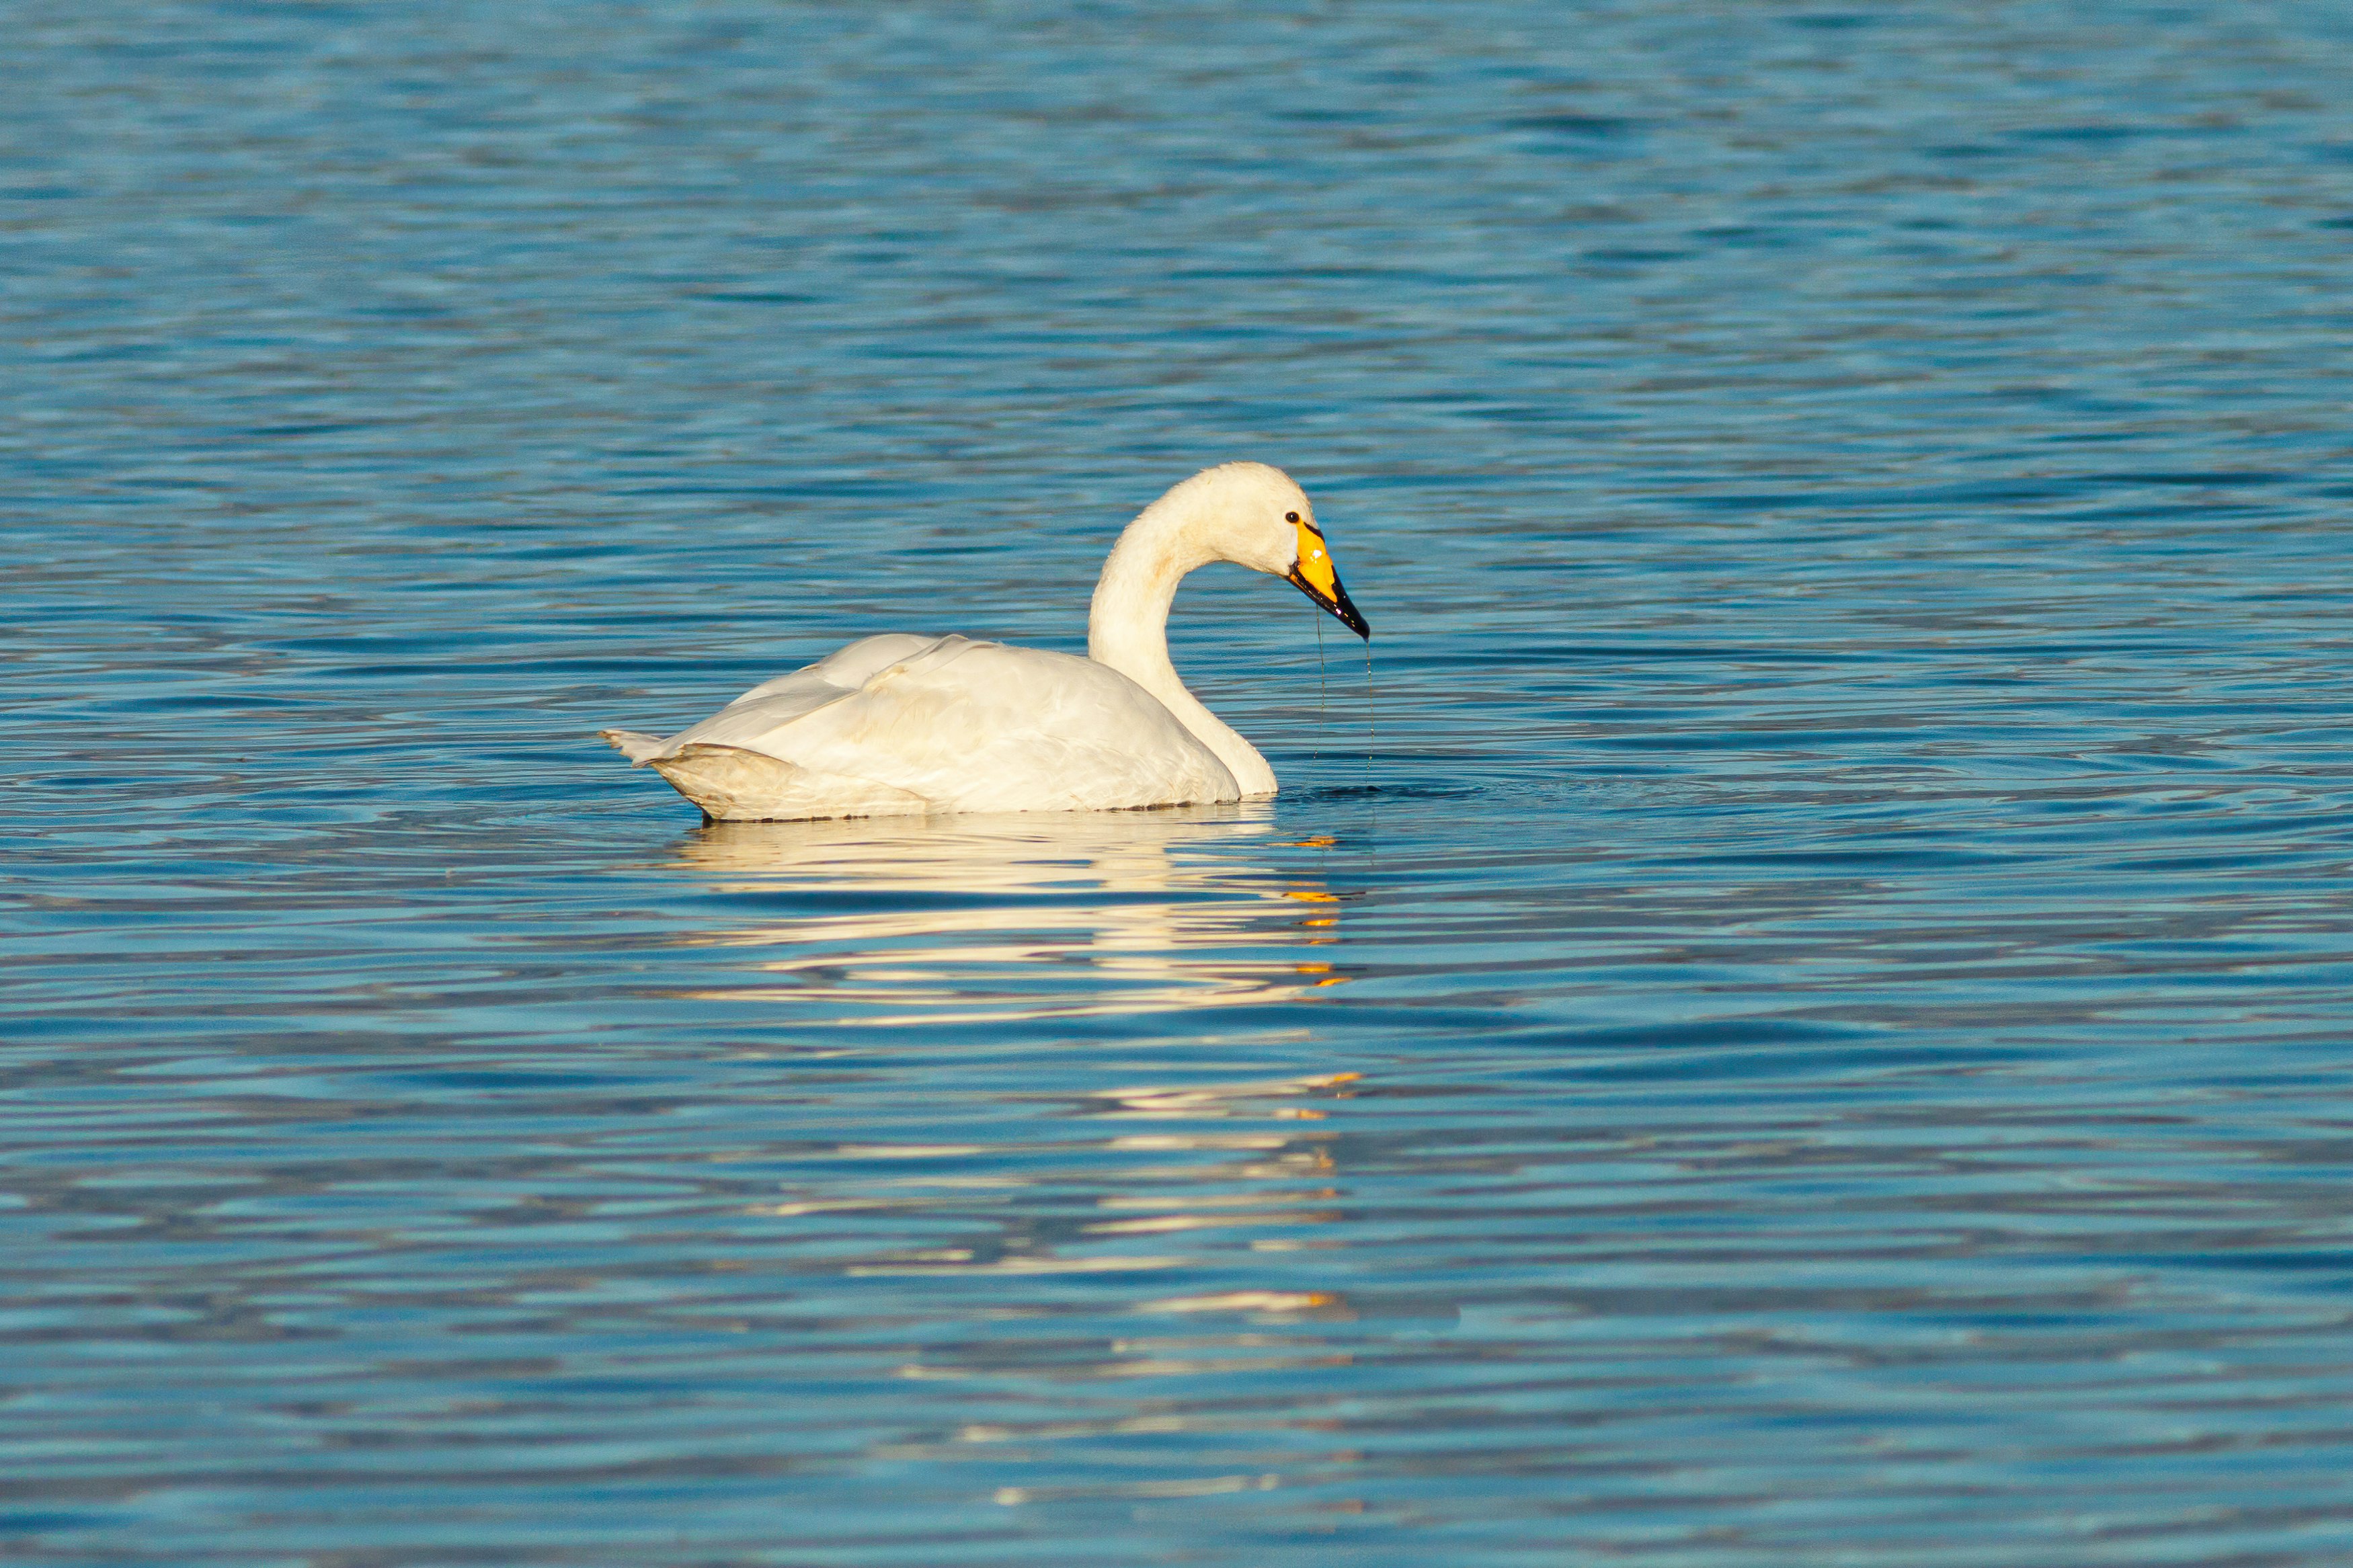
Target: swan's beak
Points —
{"points": [[1314, 575]]}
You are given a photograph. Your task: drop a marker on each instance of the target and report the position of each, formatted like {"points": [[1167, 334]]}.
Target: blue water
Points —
{"points": [[1800, 1013]]}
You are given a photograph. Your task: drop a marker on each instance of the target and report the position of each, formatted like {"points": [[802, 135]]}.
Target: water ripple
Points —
{"points": [[1790, 1010]]}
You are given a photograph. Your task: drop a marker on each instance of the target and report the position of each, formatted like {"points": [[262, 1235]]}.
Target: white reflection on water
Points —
{"points": [[991, 920], [968, 922]]}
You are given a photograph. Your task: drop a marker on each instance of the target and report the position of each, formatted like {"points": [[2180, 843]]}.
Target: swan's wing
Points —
{"points": [[978, 726], [772, 705], [850, 666]]}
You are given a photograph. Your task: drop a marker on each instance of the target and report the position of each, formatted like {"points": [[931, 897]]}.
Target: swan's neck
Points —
{"points": [[1127, 629]]}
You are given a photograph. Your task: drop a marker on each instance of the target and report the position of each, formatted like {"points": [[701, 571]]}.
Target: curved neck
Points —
{"points": [[1127, 629]]}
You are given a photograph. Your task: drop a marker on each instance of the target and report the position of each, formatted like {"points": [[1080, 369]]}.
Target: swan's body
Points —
{"points": [[903, 725], [899, 725]]}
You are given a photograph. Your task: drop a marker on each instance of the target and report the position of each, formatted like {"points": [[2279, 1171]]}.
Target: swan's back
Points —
{"points": [[900, 725]]}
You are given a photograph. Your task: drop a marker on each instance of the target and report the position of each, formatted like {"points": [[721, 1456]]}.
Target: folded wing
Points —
{"points": [[903, 723]]}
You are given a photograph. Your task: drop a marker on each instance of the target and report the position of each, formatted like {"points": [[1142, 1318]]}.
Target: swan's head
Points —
{"points": [[1257, 516]]}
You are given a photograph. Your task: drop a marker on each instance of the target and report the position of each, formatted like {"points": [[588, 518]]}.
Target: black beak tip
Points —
{"points": [[1350, 617], [1339, 605]]}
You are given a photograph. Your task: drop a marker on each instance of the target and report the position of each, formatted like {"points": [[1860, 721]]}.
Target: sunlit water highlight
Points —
{"points": [[1801, 1018]]}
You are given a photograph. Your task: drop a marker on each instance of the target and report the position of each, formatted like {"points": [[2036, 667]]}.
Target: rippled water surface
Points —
{"points": [[1799, 1013]]}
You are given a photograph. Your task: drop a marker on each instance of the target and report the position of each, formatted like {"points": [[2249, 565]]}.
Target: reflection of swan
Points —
{"points": [[974, 917], [901, 724], [983, 942]]}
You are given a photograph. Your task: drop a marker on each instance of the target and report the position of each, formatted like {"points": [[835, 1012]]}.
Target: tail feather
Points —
{"points": [[731, 784], [639, 748]]}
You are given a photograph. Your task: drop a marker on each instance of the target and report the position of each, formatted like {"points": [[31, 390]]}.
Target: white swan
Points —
{"points": [[903, 725]]}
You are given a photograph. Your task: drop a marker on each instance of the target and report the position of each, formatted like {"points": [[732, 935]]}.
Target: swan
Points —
{"points": [[903, 724]]}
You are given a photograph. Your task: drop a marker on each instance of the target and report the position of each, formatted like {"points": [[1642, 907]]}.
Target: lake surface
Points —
{"points": [[1800, 1012]]}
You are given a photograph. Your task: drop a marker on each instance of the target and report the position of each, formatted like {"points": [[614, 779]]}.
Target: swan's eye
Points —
{"points": [[1291, 517]]}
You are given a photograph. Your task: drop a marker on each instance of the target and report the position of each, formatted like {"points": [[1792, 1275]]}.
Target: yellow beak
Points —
{"points": [[1314, 575]]}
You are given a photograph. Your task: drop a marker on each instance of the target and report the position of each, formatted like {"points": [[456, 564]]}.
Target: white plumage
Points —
{"points": [[903, 725]]}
